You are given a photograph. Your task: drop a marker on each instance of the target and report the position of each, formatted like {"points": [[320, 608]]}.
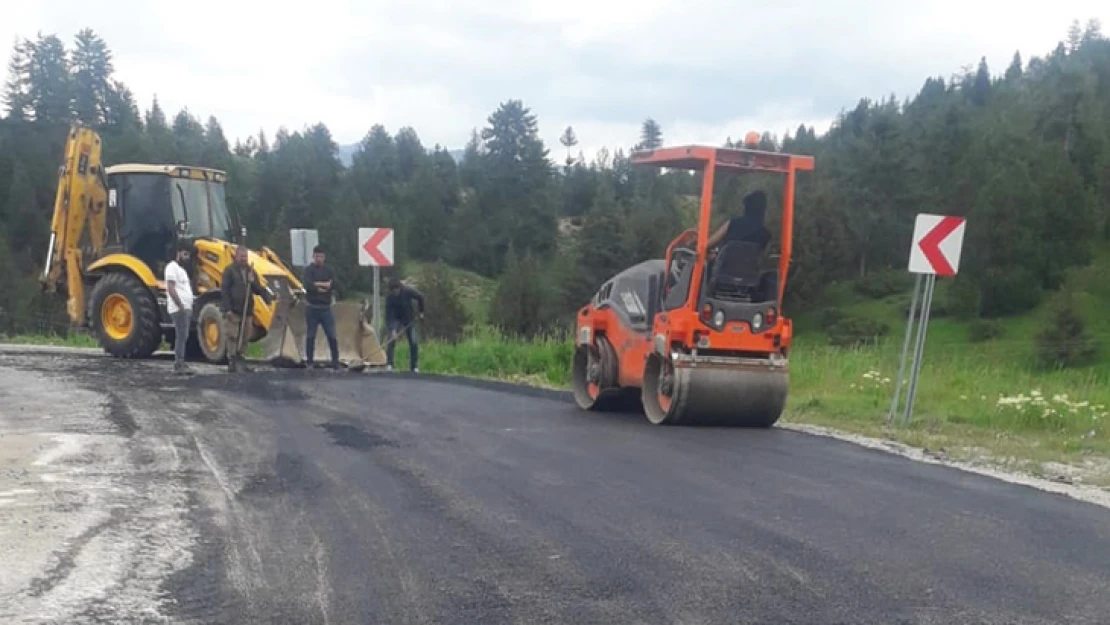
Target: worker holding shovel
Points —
{"points": [[399, 318], [239, 282]]}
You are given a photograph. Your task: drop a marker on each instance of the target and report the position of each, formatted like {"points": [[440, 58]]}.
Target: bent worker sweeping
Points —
{"points": [[399, 318]]}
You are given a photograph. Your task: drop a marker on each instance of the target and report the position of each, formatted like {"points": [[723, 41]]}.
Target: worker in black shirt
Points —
{"points": [[319, 285], [399, 316]]}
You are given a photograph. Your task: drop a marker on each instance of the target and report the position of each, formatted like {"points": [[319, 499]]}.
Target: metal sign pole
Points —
{"points": [[919, 353], [905, 350], [377, 302]]}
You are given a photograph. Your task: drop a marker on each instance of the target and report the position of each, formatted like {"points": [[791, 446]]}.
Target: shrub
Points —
{"points": [[1009, 292], [963, 298], [884, 283], [830, 317], [524, 304], [1065, 342], [856, 331], [446, 318], [984, 330]]}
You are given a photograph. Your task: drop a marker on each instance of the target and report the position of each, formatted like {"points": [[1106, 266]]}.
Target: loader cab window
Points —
{"points": [[146, 224], [203, 204]]}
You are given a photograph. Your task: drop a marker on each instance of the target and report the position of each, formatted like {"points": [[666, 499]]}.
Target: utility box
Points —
{"points": [[301, 243]]}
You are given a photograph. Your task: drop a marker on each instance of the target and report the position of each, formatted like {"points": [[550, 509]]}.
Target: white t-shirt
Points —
{"points": [[181, 283]]}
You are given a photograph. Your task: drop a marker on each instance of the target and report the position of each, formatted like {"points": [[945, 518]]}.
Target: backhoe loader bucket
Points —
{"points": [[285, 342]]}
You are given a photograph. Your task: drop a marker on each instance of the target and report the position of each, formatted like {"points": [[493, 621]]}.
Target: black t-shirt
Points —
{"points": [[312, 274], [748, 230]]}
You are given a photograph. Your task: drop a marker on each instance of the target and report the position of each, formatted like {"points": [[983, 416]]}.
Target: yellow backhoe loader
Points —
{"points": [[115, 228]]}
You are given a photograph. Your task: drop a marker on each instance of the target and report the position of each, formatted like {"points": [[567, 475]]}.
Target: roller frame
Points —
{"points": [[741, 375]]}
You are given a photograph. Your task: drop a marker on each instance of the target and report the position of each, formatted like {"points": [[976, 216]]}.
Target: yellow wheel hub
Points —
{"points": [[116, 317], [211, 334]]}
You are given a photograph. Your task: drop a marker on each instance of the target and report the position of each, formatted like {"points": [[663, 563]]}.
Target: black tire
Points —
{"points": [[193, 350], [611, 397], [214, 351], [141, 334]]}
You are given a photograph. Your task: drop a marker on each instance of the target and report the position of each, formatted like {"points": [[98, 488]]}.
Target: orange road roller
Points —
{"points": [[698, 337]]}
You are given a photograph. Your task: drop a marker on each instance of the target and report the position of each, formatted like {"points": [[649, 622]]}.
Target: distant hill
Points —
{"points": [[346, 152]]}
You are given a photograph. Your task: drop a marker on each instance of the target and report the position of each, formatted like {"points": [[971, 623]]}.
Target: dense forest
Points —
{"points": [[1025, 154]]}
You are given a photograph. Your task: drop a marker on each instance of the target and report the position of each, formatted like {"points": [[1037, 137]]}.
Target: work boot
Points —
{"points": [[182, 369], [231, 368], [243, 365]]}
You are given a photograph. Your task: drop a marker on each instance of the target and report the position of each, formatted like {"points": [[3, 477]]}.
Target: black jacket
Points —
{"points": [[234, 287], [749, 230], [313, 274], [398, 308]]}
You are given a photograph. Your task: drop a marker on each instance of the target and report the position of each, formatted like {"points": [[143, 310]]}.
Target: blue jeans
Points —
{"points": [[315, 317], [393, 327]]}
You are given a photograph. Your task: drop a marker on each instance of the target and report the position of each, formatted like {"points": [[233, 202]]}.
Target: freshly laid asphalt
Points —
{"points": [[315, 497]]}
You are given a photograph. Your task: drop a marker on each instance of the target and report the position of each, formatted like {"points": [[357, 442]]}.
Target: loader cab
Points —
{"points": [[152, 206]]}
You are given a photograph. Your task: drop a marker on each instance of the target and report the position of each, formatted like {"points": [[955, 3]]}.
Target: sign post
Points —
{"points": [[935, 251], [375, 249], [301, 243]]}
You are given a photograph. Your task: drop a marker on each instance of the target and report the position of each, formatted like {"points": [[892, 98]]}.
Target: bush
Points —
{"points": [[524, 305], [856, 331], [984, 330], [1009, 292], [1065, 342], [884, 283], [446, 318], [963, 298], [830, 317]]}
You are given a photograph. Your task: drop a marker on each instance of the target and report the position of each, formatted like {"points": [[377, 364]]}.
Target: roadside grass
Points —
{"points": [[76, 339], [972, 404], [486, 353]]}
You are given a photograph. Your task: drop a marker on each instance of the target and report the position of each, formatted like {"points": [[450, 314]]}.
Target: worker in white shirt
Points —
{"points": [[179, 305]]}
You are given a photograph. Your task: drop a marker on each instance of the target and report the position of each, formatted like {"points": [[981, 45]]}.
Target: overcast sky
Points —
{"points": [[705, 69]]}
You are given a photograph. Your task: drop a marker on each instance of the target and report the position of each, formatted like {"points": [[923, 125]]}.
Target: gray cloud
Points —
{"points": [[704, 68]]}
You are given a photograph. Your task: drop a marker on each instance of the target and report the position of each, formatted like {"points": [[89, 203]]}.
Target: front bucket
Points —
{"points": [[359, 348]]}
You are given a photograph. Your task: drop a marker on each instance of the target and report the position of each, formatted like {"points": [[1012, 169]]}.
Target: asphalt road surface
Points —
{"points": [[131, 496]]}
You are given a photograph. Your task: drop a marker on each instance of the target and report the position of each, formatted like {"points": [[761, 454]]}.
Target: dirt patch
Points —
{"points": [[264, 385], [352, 436], [119, 414], [291, 474]]}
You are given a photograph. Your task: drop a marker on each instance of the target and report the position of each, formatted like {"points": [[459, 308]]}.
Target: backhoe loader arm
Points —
{"points": [[80, 206]]}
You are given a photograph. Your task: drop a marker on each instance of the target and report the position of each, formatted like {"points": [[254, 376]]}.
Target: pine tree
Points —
{"points": [[17, 97], [651, 135], [92, 66], [1075, 36], [1015, 70], [50, 85], [568, 141]]}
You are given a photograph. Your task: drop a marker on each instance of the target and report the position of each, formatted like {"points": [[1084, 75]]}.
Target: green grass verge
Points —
{"points": [[75, 339]]}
